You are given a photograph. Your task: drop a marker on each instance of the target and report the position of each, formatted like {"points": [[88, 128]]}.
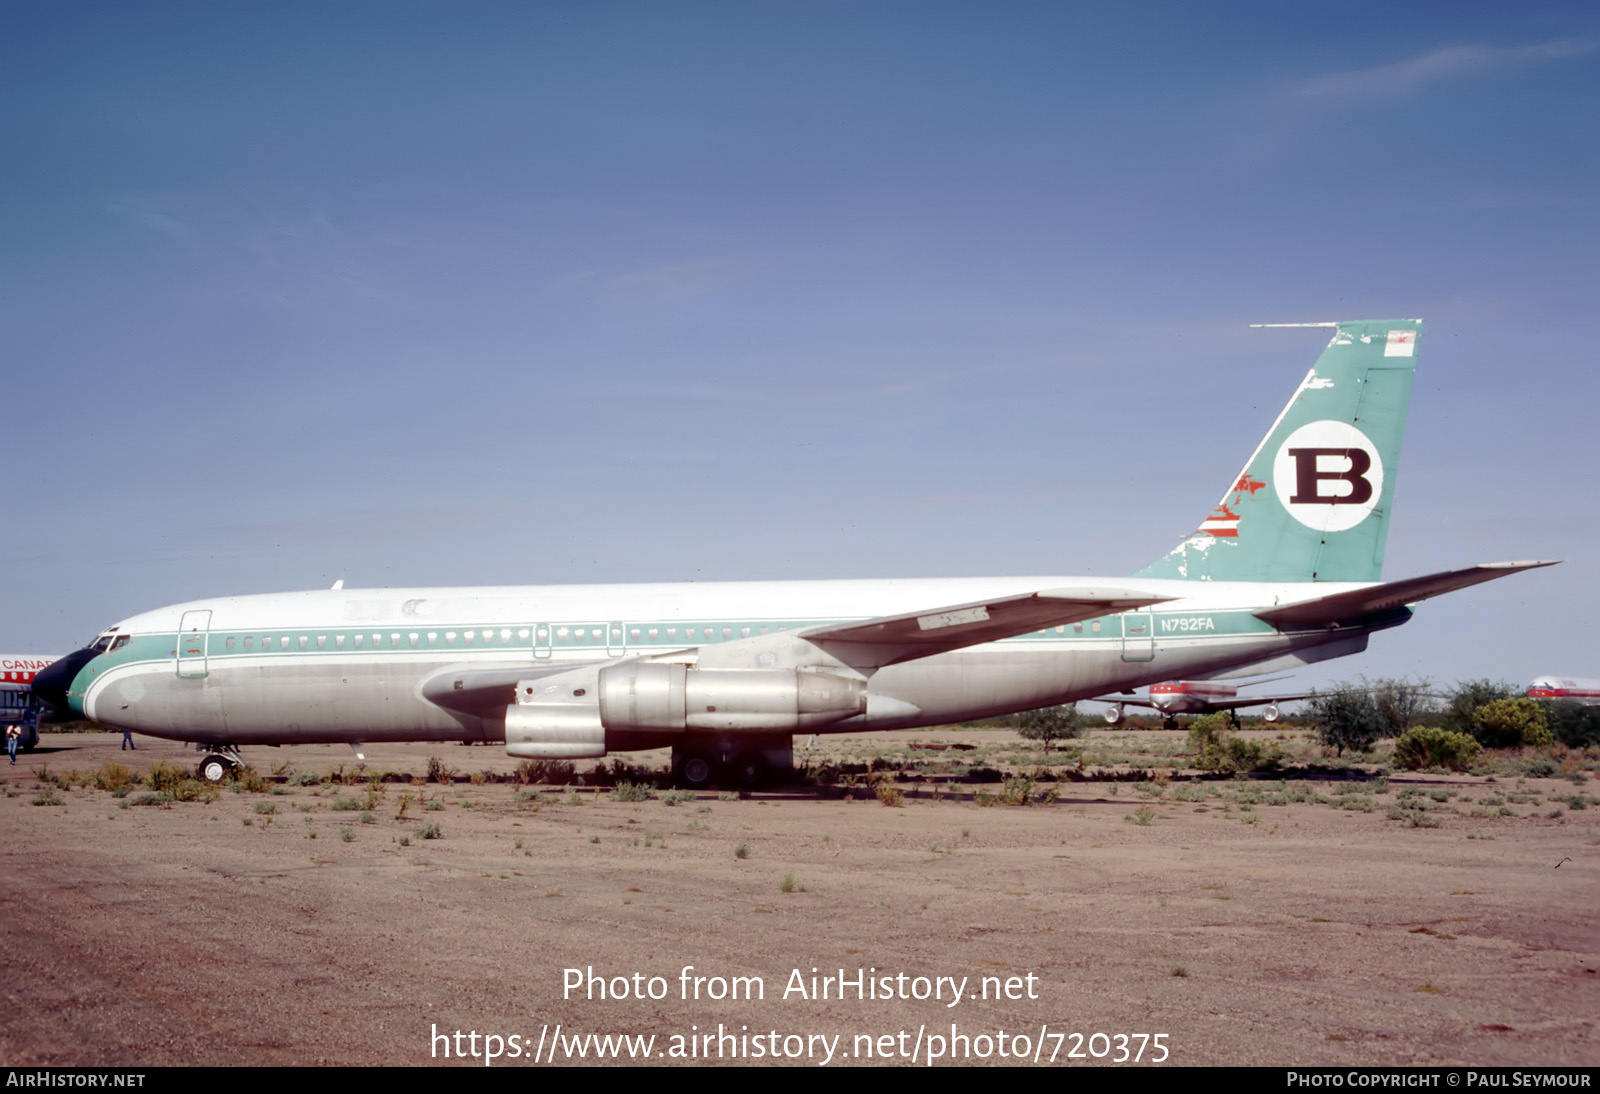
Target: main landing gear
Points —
{"points": [[741, 764]]}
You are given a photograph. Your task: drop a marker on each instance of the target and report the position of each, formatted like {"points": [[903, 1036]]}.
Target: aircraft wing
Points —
{"points": [[894, 638], [1121, 701], [484, 691], [1351, 607], [1261, 700]]}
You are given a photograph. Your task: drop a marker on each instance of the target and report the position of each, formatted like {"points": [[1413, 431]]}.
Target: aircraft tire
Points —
{"points": [[696, 771], [748, 770], [214, 768]]}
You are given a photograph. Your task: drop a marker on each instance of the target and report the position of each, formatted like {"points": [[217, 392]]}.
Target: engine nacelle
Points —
{"points": [[554, 731], [1270, 712], [556, 721], [1113, 715], [678, 697]]}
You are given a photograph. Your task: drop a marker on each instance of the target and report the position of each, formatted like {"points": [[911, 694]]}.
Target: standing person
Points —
{"points": [[127, 741], [13, 735]]}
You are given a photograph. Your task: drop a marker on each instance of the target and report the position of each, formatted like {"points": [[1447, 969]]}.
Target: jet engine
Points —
{"points": [[554, 720]]}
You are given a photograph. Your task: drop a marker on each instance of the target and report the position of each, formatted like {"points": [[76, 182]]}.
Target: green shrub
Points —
{"points": [[1357, 714], [163, 776], [1050, 724], [1573, 724], [1460, 713], [1348, 719], [1427, 746], [1511, 723], [1017, 791], [1214, 750], [114, 776], [632, 792], [890, 795]]}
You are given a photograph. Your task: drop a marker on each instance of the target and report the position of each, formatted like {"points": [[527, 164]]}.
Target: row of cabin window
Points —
{"points": [[396, 638], [562, 634], [431, 638]]}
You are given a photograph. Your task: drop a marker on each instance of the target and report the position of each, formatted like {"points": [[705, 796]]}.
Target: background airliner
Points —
{"points": [[17, 703], [1573, 689], [1283, 572], [1176, 697]]}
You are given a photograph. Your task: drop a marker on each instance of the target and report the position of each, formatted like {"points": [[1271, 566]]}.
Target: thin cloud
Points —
{"points": [[1446, 63], [674, 281]]}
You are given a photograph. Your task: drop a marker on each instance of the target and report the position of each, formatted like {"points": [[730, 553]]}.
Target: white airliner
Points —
{"points": [[1283, 572], [1573, 689], [1177, 697]]}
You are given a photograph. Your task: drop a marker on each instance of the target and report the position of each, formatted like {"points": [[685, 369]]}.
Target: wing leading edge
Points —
{"points": [[894, 638]]}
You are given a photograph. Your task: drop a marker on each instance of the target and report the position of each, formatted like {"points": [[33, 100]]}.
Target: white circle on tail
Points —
{"points": [[1328, 475]]}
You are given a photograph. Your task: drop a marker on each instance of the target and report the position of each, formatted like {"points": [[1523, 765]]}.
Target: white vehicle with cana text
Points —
{"points": [[1283, 572], [18, 706]]}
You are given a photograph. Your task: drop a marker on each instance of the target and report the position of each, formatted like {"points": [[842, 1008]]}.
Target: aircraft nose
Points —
{"points": [[52, 684]]}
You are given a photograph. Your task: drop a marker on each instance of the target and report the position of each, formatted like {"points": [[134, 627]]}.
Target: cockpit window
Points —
{"points": [[119, 641]]}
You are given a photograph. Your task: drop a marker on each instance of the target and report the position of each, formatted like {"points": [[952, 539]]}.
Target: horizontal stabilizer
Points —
{"points": [[938, 630], [1358, 604]]}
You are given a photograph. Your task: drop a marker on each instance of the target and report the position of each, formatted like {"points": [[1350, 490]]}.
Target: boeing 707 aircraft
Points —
{"points": [[1283, 572]]}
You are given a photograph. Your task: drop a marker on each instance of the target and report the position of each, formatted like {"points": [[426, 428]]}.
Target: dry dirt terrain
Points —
{"points": [[313, 923]]}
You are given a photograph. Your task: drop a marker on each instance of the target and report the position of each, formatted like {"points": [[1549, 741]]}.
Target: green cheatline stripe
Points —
{"points": [[1169, 626]]}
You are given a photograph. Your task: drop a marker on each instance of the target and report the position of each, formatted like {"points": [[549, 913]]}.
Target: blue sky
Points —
{"points": [[532, 293]]}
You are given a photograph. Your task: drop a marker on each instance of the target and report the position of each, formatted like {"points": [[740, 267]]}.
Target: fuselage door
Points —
{"points": [[193, 630], [542, 641], [616, 640], [1138, 636]]}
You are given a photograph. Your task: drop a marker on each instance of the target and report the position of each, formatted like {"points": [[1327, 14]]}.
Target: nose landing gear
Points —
{"points": [[219, 764]]}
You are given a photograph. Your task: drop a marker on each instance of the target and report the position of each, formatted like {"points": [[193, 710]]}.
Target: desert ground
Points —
{"points": [[1338, 920]]}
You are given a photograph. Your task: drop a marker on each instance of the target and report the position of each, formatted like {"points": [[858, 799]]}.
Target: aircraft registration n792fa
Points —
{"points": [[1284, 571]]}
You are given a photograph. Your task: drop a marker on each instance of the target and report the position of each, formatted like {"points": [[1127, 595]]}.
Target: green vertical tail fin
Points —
{"points": [[1313, 501]]}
